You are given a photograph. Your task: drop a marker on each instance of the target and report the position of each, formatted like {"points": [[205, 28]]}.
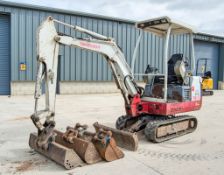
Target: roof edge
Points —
{"points": [[64, 11], [91, 15], [209, 37]]}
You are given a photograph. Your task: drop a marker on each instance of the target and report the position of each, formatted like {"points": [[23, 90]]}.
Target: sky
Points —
{"points": [[205, 15]]}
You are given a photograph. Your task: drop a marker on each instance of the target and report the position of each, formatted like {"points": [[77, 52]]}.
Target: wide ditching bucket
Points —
{"points": [[58, 153], [124, 139], [77, 146]]}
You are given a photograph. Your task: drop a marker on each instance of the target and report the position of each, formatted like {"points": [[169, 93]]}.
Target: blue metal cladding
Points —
{"points": [[4, 55], [77, 64]]}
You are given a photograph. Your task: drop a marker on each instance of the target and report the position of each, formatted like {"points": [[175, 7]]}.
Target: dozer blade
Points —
{"points": [[161, 130], [123, 139], [58, 153], [106, 145], [83, 147]]}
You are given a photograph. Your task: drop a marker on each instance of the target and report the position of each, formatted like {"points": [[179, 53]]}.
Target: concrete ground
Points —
{"points": [[201, 152]]}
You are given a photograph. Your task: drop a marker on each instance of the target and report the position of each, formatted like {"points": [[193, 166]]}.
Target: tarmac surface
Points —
{"points": [[201, 152]]}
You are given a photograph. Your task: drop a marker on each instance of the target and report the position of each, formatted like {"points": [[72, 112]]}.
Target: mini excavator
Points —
{"points": [[152, 110], [202, 70]]}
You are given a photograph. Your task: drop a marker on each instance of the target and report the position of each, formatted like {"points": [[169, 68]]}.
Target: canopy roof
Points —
{"points": [[160, 25]]}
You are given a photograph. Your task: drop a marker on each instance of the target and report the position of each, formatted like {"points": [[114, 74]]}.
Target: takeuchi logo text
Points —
{"points": [[89, 45]]}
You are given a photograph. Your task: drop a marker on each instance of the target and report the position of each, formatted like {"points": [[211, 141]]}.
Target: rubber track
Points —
{"points": [[151, 128]]}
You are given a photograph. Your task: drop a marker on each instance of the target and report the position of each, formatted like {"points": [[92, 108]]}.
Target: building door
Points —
{"points": [[209, 51], [4, 55]]}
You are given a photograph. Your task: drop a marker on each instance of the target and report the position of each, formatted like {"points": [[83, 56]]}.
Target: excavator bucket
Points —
{"points": [[77, 147], [91, 147], [124, 139], [58, 153], [107, 146], [83, 147]]}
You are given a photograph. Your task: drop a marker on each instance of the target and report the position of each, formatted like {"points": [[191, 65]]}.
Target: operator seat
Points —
{"points": [[172, 77], [155, 85]]}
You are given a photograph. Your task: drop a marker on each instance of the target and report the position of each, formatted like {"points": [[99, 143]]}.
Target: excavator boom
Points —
{"points": [[76, 146]]}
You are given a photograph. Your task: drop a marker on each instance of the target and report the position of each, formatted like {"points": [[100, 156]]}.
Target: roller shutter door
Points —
{"points": [[211, 51], [4, 55]]}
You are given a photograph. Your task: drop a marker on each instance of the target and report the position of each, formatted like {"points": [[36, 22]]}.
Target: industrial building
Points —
{"points": [[83, 71]]}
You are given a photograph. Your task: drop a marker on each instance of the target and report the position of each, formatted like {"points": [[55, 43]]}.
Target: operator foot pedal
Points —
{"points": [[62, 155]]}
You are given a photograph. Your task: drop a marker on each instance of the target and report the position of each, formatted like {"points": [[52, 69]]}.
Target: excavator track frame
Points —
{"points": [[174, 127], [154, 127]]}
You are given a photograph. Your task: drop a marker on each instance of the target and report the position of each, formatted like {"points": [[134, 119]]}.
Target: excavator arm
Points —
{"points": [[48, 42]]}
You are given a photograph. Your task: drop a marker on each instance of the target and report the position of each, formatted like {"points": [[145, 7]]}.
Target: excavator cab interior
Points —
{"points": [[178, 90], [177, 69]]}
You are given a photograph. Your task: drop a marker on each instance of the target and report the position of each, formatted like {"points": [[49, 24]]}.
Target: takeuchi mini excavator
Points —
{"points": [[152, 110]]}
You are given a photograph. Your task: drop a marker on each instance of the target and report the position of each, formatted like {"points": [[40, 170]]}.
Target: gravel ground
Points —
{"points": [[201, 152]]}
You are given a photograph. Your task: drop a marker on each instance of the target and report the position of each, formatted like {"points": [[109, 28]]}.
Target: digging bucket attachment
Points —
{"points": [[83, 147], [64, 156], [106, 145], [123, 139], [91, 147], [77, 146]]}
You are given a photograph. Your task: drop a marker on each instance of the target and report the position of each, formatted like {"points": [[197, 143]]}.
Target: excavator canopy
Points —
{"points": [[159, 26]]}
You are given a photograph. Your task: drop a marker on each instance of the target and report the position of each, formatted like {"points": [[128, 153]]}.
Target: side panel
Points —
{"points": [[157, 108]]}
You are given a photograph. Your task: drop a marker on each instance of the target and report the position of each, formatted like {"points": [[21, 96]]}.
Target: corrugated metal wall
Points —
{"points": [[77, 64]]}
